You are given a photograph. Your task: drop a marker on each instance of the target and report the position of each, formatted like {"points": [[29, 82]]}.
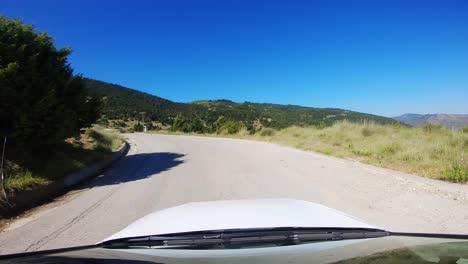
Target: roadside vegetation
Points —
{"points": [[26, 171], [430, 150], [45, 110]]}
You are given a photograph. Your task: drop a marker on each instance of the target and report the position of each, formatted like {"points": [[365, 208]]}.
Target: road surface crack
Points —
{"points": [[37, 245]]}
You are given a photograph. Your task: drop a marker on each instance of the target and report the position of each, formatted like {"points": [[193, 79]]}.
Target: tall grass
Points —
{"points": [[104, 140], [431, 151]]}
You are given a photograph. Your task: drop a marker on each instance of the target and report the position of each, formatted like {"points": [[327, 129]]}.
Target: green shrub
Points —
{"points": [[187, 124], [321, 125], [138, 127], [218, 123], [267, 132], [230, 127], [457, 173], [119, 124], [389, 149], [365, 153], [224, 126], [465, 129], [250, 128], [151, 126]]}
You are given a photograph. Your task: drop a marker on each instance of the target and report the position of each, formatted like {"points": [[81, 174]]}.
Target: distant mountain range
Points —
{"points": [[448, 120], [120, 102]]}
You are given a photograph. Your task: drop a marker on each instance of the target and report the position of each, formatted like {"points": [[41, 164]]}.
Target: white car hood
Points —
{"points": [[237, 214]]}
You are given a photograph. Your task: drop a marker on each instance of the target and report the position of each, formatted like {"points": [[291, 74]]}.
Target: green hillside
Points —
{"points": [[281, 116], [119, 102]]}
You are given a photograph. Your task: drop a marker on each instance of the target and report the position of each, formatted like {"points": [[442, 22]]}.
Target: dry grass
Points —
{"points": [[430, 151], [103, 140]]}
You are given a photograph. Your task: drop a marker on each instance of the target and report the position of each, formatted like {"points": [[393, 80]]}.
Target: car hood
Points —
{"points": [[239, 214]]}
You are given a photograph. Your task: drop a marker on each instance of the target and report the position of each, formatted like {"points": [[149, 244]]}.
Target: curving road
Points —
{"points": [[161, 171]]}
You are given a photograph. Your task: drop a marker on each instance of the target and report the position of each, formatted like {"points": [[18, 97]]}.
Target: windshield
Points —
{"points": [[189, 127]]}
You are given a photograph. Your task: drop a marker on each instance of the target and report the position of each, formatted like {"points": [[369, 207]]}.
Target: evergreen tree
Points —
{"points": [[41, 101]]}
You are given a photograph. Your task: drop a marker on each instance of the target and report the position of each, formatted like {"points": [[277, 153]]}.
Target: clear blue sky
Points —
{"points": [[383, 57]]}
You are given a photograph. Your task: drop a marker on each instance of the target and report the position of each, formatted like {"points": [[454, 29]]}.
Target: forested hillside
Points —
{"points": [[119, 102]]}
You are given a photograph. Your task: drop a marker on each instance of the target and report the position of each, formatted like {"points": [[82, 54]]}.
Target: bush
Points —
{"points": [[151, 126], [389, 149], [184, 124], [119, 124], [218, 123], [250, 128], [230, 127], [457, 173], [267, 132], [465, 129], [321, 125], [138, 127], [365, 153]]}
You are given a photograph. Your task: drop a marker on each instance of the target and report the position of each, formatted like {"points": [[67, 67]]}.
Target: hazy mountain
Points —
{"points": [[447, 120]]}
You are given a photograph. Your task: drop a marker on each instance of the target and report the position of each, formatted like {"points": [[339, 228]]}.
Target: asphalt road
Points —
{"points": [[161, 171]]}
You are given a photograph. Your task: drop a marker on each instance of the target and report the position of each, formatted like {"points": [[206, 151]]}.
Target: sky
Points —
{"points": [[382, 57]]}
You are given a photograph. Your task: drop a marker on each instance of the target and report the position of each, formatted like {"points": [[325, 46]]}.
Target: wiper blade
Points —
{"points": [[246, 237]]}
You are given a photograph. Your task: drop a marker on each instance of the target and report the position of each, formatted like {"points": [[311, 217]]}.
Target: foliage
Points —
{"points": [[229, 127], [389, 149], [267, 132], [41, 102], [457, 173], [138, 127], [218, 124], [250, 128], [118, 124], [184, 124]]}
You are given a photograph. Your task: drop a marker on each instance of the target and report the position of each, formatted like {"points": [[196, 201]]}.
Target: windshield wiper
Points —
{"points": [[244, 238]]}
